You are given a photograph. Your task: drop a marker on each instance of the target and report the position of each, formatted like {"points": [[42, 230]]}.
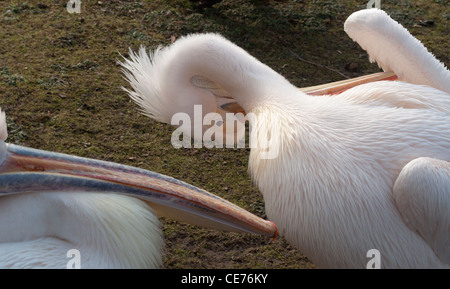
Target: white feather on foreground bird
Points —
{"points": [[364, 169], [51, 203]]}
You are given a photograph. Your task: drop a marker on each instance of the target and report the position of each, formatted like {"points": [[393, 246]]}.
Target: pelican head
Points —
{"points": [[53, 202]]}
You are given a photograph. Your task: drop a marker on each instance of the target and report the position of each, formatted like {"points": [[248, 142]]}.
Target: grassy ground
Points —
{"points": [[61, 89]]}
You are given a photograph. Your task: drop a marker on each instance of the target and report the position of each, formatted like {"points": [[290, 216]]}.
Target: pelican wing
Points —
{"points": [[422, 195], [394, 49]]}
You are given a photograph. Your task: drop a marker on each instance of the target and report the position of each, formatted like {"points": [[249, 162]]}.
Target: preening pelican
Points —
{"points": [[51, 203], [364, 169]]}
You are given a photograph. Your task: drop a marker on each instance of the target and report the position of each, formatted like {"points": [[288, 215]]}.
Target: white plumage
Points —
{"points": [[330, 188], [109, 231]]}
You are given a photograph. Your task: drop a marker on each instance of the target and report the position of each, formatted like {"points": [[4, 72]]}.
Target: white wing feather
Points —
{"points": [[422, 195], [394, 49]]}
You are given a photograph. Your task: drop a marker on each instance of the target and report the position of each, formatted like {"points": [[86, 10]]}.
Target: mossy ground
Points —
{"points": [[60, 86]]}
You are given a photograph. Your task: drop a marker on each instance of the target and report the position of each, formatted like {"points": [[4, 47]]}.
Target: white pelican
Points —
{"points": [[51, 203], [364, 169]]}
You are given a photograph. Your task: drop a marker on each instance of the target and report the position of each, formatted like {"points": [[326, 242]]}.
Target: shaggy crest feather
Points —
{"points": [[142, 72]]}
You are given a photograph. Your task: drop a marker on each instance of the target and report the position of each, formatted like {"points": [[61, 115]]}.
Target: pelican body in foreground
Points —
{"points": [[364, 169], [51, 203]]}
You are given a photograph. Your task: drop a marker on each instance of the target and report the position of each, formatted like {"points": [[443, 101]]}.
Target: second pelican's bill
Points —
{"points": [[26, 170]]}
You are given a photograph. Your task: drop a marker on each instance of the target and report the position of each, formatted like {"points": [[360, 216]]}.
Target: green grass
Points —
{"points": [[60, 86]]}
